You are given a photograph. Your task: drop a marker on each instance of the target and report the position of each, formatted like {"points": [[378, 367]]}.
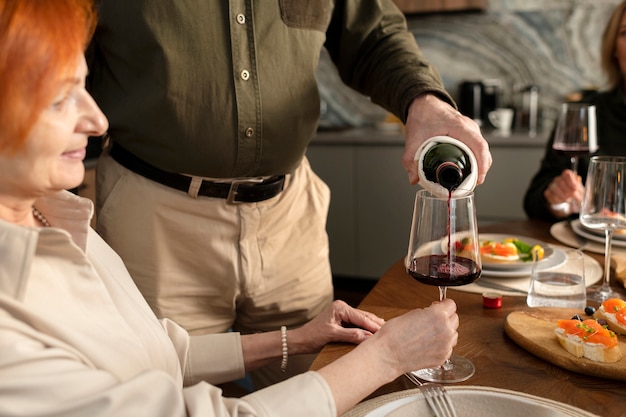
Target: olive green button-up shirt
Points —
{"points": [[227, 88]]}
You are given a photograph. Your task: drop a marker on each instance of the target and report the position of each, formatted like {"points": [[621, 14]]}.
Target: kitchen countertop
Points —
{"points": [[394, 136]]}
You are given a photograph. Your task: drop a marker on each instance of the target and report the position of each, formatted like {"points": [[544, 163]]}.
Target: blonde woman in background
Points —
{"points": [[556, 183]]}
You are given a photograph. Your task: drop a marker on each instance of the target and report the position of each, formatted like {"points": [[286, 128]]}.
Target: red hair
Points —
{"points": [[40, 41]]}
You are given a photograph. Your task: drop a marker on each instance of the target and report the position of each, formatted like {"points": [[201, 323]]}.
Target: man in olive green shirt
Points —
{"points": [[204, 189]]}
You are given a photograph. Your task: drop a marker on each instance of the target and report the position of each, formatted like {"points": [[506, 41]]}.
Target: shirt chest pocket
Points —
{"points": [[311, 14]]}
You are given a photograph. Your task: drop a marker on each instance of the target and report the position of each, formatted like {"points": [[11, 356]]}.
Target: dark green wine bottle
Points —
{"points": [[446, 165]]}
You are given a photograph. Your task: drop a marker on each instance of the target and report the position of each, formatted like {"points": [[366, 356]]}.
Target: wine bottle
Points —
{"points": [[445, 166]]}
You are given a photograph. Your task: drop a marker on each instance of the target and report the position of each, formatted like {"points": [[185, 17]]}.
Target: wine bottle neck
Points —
{"points": [[449, 175]]}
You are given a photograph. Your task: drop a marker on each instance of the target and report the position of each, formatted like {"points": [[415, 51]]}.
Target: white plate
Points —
{"points": [[557, 258], [562, 232], [517, 265], [519, 285], [600, 232], [581, 230], [469, 401]]}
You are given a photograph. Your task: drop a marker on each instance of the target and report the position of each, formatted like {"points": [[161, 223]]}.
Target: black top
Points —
{"points": [[611, 126]]}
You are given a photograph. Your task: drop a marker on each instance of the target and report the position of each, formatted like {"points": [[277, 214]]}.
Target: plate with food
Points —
{"points": [[500, 252], [597, 235]]}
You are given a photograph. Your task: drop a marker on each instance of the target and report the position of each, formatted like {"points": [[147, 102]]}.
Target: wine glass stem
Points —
{"points": [[608, 233], [442, 296], [574, 161], [442, 293]]}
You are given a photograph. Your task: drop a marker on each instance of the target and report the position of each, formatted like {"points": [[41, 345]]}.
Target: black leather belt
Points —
{"points": [[245, 190]]}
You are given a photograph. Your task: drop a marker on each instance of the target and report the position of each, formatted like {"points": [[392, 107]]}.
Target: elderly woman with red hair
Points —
{"points": [[76, 336]]}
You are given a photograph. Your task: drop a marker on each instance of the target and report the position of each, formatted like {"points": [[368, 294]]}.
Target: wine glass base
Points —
{"points": [[600, 294], [456, 369]]}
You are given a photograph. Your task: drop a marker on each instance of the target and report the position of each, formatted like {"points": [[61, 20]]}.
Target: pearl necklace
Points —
{"points": [[40, 217]]}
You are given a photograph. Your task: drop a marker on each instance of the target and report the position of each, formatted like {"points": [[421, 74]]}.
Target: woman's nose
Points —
{"points": [[93, 122]]}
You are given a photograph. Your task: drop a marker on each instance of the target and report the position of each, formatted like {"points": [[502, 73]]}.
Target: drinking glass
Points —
{"points": [[562, 286], [444, 251], [604, 208]]}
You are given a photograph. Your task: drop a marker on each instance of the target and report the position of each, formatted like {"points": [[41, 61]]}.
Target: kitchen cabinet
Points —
{"points": [[371, 206], [430, 6], [372, 202]]}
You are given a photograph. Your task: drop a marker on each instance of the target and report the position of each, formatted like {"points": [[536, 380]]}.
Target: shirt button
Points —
{"points": [[245, 75], [249, 132], [241, 18]]}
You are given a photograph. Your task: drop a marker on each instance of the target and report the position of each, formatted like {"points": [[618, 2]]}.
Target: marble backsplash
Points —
{"points": [[554, 44]]}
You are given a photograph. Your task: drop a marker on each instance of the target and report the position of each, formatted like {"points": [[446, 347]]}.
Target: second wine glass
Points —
{"points": [[604, 207], [444, 251]]}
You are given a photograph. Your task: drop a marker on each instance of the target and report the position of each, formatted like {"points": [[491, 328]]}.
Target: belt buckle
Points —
{"points": [[234, 186]]}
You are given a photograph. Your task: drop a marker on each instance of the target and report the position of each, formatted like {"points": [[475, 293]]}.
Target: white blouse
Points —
{"points": [[78, 339]]}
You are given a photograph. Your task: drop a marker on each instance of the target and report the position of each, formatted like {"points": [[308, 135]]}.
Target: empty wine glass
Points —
{"points": [[604, 207], [444, 251]]}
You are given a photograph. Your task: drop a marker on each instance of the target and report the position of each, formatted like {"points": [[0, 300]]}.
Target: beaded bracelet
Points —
{"points": [[283, 340]]}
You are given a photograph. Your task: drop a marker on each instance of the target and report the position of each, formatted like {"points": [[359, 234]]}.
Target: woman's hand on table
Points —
{"points": [[337, 323]]}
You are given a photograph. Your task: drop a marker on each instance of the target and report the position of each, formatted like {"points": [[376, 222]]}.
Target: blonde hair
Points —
{"points": [[39, 44], [608, 60]]}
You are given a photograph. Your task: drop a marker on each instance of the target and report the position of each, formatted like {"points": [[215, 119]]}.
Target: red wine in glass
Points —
{"points": [[570, 152], [573, 152], [441, 271]]}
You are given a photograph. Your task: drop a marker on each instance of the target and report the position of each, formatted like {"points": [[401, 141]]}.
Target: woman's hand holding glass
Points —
{"points": [[575, 136], [565, 193], [422, 338]]}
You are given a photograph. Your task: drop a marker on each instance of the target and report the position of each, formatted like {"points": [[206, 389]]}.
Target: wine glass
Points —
{"points": [[444, 251], [575, 136], [604, 207]]}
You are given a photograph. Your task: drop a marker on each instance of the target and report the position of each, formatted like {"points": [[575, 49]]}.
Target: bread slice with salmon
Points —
{"points": [[613, 312], [588, 339]]}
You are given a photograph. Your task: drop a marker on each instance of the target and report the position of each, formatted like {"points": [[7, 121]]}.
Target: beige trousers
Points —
{"points": [[211, 266]]}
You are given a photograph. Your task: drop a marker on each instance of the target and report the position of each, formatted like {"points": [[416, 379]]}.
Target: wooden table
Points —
{"points": [[499, 361]]}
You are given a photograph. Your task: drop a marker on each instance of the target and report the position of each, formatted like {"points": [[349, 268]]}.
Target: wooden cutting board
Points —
{"points": [[533, 330]]}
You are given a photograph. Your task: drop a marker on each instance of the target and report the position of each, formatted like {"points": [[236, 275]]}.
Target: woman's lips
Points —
{"points": [[76, 154]]}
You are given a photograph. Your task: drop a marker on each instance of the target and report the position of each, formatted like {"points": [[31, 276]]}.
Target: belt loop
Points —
{"points": [[194, 187]]}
